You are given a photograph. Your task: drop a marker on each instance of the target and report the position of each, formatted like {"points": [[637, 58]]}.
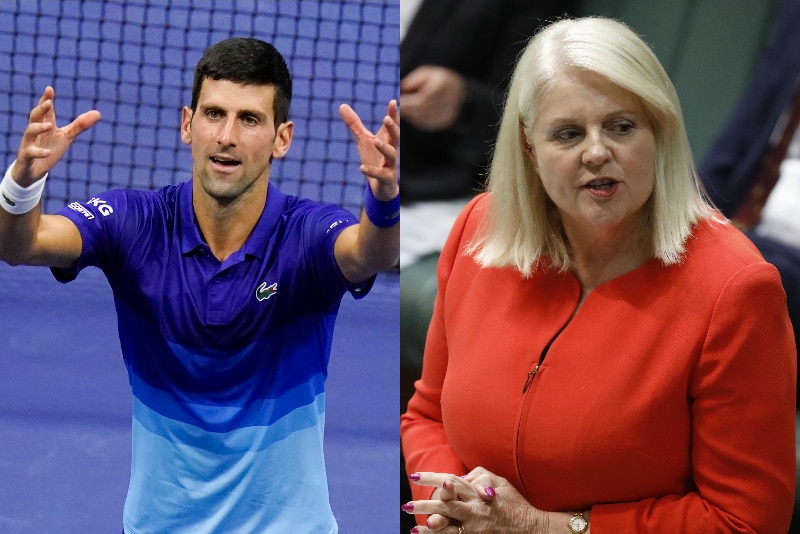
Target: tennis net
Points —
{"points": [[133, 60]]}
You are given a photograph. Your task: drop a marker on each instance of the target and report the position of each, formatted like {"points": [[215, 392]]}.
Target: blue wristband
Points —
{"points": [[381, 214]]}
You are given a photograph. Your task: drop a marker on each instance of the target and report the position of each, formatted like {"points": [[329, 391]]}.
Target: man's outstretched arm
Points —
{"points": [[374, 244], [28, 237]]}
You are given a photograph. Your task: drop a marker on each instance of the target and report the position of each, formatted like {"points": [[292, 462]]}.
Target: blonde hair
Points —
{"points": [[518, 230]]}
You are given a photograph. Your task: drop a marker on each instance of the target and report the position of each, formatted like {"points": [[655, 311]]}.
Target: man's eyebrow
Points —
{"points": [[251, 113], [239, 112]]}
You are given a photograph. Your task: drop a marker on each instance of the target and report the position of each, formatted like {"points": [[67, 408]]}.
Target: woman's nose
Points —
{"points": [[596, 151]]}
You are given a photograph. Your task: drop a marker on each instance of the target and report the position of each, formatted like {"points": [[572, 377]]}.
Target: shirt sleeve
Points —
{"points": [[321, 231], [742, 399], [101, 222], [425, 443]]}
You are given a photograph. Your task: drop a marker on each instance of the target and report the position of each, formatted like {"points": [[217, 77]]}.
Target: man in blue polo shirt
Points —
{"points": [[226, 292]]}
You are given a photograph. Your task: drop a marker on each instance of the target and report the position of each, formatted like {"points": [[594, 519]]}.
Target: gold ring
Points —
{"points": [[462, 530]]}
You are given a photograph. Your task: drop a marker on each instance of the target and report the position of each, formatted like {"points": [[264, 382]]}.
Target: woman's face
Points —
{"points": [[594, 149]]}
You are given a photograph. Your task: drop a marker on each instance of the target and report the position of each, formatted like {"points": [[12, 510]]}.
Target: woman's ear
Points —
{"points": [[524, 138], [526, 145]]}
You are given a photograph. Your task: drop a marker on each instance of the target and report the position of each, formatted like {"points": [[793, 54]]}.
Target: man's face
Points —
{"points": [[233, 136]]}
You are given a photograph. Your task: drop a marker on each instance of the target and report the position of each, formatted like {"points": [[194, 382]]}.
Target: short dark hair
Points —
{"points": [[247, 61]]}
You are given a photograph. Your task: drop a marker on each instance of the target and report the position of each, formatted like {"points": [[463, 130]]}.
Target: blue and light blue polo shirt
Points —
{"points": [[227, 361]]}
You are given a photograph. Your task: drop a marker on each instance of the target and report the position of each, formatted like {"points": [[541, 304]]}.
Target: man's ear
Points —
{"points": [[186, 125], [283, 139]]}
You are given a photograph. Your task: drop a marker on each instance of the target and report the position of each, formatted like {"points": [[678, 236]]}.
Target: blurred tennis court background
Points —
{"points": [[64, 399], [133, 61]]}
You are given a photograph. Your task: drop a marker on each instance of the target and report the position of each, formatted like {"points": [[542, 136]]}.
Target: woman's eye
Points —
{"points": [[566, 135], [622, 127]]}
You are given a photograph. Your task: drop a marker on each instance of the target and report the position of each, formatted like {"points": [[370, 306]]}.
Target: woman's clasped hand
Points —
{"points": [[479, 502]]}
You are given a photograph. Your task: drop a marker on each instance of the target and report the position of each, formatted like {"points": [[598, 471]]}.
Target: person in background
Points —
{"points": [[607, 352], [752, 170], [455, 60]]}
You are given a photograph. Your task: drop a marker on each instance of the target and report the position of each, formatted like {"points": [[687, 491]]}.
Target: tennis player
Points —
{"points": [[226, 292]]}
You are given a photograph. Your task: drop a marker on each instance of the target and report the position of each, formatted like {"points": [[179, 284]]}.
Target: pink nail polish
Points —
{"points": [[444, 485], [408, 507], [415, 530], [414, 476], [490, 491]]}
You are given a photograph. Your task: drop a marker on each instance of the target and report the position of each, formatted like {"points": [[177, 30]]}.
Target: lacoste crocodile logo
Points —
{"points": [[264, 292]]}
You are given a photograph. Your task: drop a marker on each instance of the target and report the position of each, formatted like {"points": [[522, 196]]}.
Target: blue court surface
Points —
{"points": [[65, 407]]}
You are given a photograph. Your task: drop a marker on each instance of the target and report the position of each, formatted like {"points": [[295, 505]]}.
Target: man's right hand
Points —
{"points": [[43, 142]]}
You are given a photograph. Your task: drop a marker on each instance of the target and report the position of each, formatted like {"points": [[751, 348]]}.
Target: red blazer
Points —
{"points": [[667, 404]]}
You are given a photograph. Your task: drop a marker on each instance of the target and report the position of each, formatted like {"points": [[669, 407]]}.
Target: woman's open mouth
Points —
{"points": [[602, 187]]}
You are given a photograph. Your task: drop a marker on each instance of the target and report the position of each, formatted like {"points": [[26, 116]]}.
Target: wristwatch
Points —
{"points": [[578, 524]]}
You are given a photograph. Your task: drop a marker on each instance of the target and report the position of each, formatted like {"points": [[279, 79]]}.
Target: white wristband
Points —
{"points": [[16, 199]]}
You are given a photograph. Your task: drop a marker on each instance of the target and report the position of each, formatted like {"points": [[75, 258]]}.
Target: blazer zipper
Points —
{"points": [[526, 403], [532, 374]]}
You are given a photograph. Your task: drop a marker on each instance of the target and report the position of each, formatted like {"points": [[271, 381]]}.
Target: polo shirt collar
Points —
{"points": [[256, 245]]}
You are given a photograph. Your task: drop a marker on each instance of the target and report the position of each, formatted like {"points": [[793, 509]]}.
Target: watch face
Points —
{"points": [[577, 523]]}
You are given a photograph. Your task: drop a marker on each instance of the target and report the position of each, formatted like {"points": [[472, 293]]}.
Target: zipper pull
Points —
{"points": [[531, 374]]}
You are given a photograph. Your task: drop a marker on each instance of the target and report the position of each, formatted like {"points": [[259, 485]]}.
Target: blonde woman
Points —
{"points": [[607, 353]]}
